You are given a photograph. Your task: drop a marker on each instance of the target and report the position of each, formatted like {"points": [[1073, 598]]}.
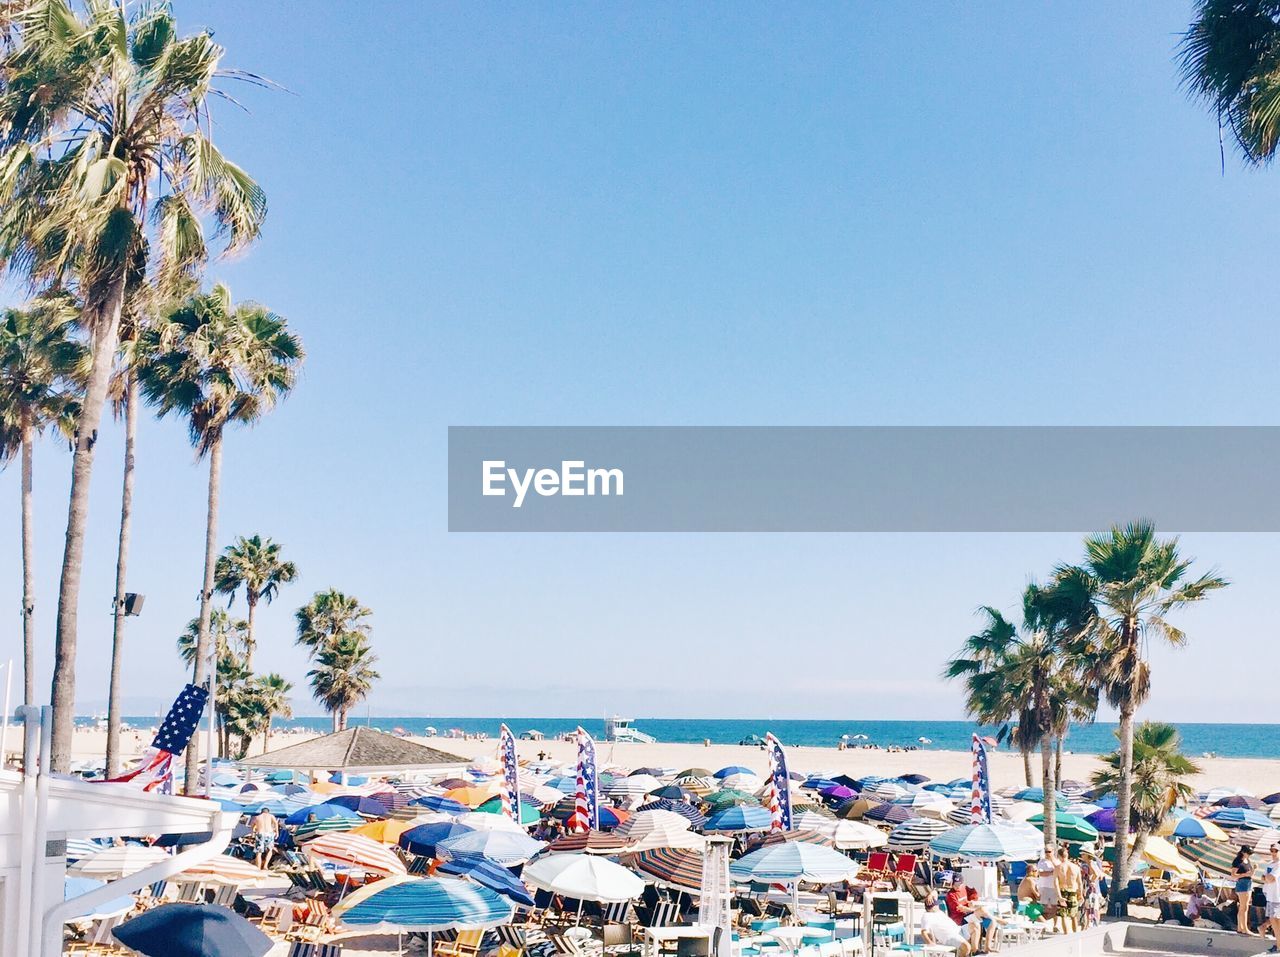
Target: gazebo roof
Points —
{"points": [[356, 749]]}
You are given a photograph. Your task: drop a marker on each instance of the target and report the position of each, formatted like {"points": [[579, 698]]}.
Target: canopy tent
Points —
{"points": [[359, 749]]}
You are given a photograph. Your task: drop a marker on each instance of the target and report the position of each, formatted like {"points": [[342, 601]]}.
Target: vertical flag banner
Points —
{"points": [[780, 800], [586, 803], [980, 809], [155, 773], [510, 774]]}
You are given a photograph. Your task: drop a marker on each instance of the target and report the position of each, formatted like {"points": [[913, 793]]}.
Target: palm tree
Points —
{"points": [[105, 158], [1159, 773], [343, 675], [1130, 582], [330, 615], [1228, 60], [42, 368], [255, 565], [272, 698], [228, 638], [216, 363]]}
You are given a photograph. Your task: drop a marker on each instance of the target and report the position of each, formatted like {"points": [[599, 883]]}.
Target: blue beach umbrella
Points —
{"points": [[683, 808], [193, 930], [742, 817], [990, 842], [364, 806], [441, 804], [424, 838], [491, 875], [1241, 817], [564, 783], [732, 769], [321, 812], [504, 847], [284, 777], [407, 904], [794, 861]]}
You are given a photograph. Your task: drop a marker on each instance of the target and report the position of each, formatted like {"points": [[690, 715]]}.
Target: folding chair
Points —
{"points": [[877, 864], [418, 865], [467, 944], [904, 869], [190, 892], [329, 950], [665, 914], [302, 948], [226, 895]]}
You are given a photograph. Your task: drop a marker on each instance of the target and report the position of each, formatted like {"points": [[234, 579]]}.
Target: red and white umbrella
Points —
{"points": [[225, 869], [355, 850]]}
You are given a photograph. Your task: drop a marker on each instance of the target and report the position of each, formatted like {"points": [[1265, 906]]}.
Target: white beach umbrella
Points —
{"points": [[484, 821], [668, 837], [635, 786], [542, 793], [848, 834], [638, 825], [1022, 810], [118, 861], [885, 790], [741, 782], [583, 877], [794, 861]]}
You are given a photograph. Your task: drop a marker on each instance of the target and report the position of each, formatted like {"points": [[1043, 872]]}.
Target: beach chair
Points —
{"points": [[665, 914], [283, 923], [616, 913], [467, 944], [877, 865], [190, 892], [302, 948], [418, 865], [333, 949], [102, 940], [617, 938], [904, 869], [226, 895]]}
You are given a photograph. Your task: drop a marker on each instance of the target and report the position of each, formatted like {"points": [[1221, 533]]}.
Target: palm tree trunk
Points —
{"points": [[1057, 759], [248, 640], [103, 318], [266, 735], [28, 568], [1119, 906], [1046, 785], [206, 597], [1026, 765], [122, 562]]}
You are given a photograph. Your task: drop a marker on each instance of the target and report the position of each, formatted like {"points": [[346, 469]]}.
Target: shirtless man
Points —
{"points": [[1070, 888], [265, 832]]}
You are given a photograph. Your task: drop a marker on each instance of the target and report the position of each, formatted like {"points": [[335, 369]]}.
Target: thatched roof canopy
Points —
{"points": [[357, 749]]}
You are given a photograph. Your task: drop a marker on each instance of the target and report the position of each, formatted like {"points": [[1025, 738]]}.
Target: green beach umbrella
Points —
{"points": [[729, 797], [1217, 856], [694, 773], [528, 813], [1071, 827]]}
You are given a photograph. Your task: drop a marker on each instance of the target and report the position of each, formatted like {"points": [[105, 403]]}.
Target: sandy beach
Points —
{"points": [[1260, 776]]}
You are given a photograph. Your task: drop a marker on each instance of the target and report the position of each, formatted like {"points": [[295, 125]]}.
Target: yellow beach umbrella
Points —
{"points": [[388, 831], [474, 795], [1160, 853]]}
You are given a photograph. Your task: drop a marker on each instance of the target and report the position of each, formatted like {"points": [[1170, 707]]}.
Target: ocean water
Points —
{"points": [[1224, 740]]}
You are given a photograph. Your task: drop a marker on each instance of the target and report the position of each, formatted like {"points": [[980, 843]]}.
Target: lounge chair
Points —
{"points": [[665, 914], [226, 895], [467, 944], [329, 950], [877, 865], [302, 948]]}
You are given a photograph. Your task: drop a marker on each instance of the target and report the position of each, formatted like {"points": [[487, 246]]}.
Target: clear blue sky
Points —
{"points": [[720, 214]]}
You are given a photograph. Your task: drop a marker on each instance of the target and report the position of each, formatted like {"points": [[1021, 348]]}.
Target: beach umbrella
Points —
{"points": [[385, 832], [290, 789], [444, 784], [742, 782], [727, 797], [1260, 839], [683, 808], [583, 877], [565, 783], [353, 850], [1160, 853], [1104, 820], [119, 861], [889, 813], [915, 778], [1272, 798], [287, 777], [668, 837], [634, 785], [722, 773], [474, 795], [192, 930], [423, 839], [541, 794], [915, 834], [847, 834], [739, 819], [492, 875], [1036, 796], [814, 821], [643, 822], [990, 842], [885, 790], [1240, 817], [438, 802], [1071, 829], [188, 838], [694, 773], [506, 847], [78, 848], [817, 784], [1242, 800], [808, 807], [530, 813], [392, 800], [838, 792], [73, 887], [1081, 808], [672, 867], [1216, 856], [225, 869], [1216, 794], [794, 861], [959, 815], [588, 842], [753, 842], [1193, 828], [305, 832], [673, 792], [609, 816], [423, 905], [482, 821], [323, 812], [856, 808]]}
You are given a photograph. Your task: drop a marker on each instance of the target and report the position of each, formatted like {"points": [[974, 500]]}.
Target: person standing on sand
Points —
{"points": [[1047, 886], [1070, 886], [1091, 875], [265, 832], [1242, 874], [1271, 891]]}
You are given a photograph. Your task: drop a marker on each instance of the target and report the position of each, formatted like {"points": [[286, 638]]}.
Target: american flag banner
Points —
{"points": [[586, 802], [510, 774], [980, 809], [780, 791], [155, 773]]}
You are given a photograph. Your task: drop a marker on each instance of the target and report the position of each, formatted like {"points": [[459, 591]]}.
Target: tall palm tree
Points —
{"points": [[42, 368], [227, 635], [272, 698], [1228, 58], [1160, 772], [330, 615], [104, 155], [343, 675], [216, 363], [1131, 582], [255, 565]]}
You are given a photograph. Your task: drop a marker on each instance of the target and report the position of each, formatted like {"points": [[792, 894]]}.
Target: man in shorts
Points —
{"points": [[1070, 885], [265, 831], [939, 930], [1271, 891]]}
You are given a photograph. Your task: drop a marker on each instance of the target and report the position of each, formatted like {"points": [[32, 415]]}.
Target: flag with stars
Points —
{"points": [[155, 773], [980, 809], [510, 774], [586, 800], [780, 784]]}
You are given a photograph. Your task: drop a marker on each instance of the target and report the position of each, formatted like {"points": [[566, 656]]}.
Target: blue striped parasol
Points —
{"points": [[740, 818], [407, 904], [990, 842], [505, 847]]}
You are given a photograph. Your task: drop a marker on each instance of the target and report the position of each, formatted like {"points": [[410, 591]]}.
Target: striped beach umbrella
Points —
{"points": [[305, 832], [116, 862], [990, 842], [474, 795], [425, 904], [915, 834], [754, 842], [683, 808], [438, 802], [794, 861], [673, 792], [353, 850], [423, 839], [225, 869], [540, 794], [725, 772], [847, 834], [78, 848], [1232, 817], [728, 797], [506, 847], [819, 809], [643, 822], [1260, 838], [739, 819], [1217, 856], [856, 808], [889, 813], [530, 811], [491, 875], [634, 785], [583, 877], [672, 867], [1242, 800], [588, 842], [698, 786]]}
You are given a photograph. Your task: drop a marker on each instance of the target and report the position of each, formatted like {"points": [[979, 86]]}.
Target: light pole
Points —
{"points": [[213, 710]]}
